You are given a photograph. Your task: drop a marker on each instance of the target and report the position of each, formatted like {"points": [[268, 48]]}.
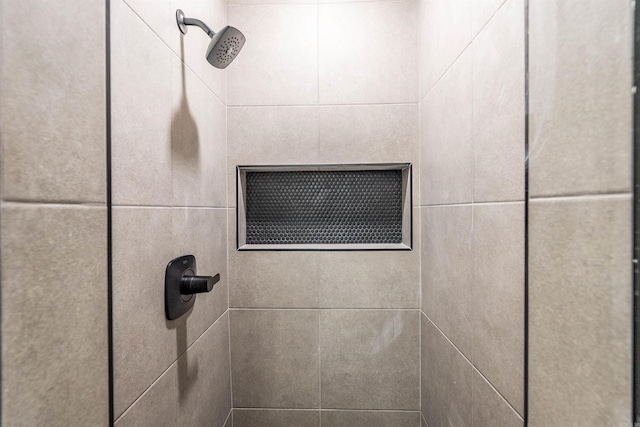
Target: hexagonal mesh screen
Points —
{"points": [[324, 207]]}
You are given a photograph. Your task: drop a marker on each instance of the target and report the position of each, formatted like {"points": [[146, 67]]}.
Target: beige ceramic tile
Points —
{"points": [[204, 383], [445, 33], [279, 62], [198, 142], [270, 136], [271, 279], [369, 419], [580, 67], [446, 380], [489, 408], [379, 37], [447, 271], [499, 106], [157, 406], [275, 418], [54, 315], [141, 112], [446, 154], [498, 294], [580, 311], [374, 363], [275, 361], [53, 102]]}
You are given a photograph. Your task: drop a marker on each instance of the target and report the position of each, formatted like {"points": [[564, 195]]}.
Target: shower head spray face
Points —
{"points": [[224, 47]]}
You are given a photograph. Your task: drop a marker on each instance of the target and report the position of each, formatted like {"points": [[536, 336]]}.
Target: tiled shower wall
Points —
{"points": [[169, 199], [472, 152], [330, 337], [53, 214]]}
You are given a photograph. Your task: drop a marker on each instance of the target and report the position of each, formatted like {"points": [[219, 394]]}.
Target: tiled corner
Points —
{"points": [[270, 136], [370, 419], [499, 106], [271, 279], [278, 64], [198, 142], [580, 72], [275, 418], [371, 279], [579, 311], [141, 124], [489, 408], [204, 384], [275, 361], [445, 33], [372, 364], [157, 406], [446, 150], [446, 380], [447, 271], [498, 295], [53, 102], [54, 315], [379, 37]]}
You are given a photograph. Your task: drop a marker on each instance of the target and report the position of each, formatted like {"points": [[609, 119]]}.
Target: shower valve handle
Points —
{"points": [[190, 285]]}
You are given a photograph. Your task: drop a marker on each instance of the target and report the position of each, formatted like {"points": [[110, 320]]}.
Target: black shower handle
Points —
{"points": [[190, 285]]}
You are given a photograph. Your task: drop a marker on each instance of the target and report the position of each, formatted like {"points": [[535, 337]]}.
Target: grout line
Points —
{"points": [[15, 203], [168, 207], [506, 202], [317, 309], [593, 196], [411, 411], [376, 104], [227, 419]]}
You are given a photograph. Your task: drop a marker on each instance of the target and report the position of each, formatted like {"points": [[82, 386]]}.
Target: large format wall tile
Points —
{"points": [[498, 295], [482, 11], [275, 361], [53, 124], [447, 271], [580, 310], [198, 142], [351, 40], [279, 62], [373, 363], [446, 380], [271, 279], [498, 106], [581, 102], [275, 418], [54, 315], [270, 136], [446, 154], [370, 419], [141, 123], [489, 408], [445, 32]]}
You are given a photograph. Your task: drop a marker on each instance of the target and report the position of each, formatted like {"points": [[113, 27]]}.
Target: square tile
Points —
{"points": [[351, 40], [274, 358], [374, 363]]}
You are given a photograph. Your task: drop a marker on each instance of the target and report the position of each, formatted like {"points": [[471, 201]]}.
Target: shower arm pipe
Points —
{"points": [[199, 23]]}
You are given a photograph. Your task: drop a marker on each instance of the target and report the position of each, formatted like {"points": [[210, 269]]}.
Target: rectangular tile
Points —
{"points": [[447, 271], [370, 419], [489, 408], [275, 418], [498, 294], [580, 311], [371, 364], [54, 315], [275, 361], [446, 150], [499, 106], [53, 102], [580, 98], [278, 64], [350, 41], [446, 380]]}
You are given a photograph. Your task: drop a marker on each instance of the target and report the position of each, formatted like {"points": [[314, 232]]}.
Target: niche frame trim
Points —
{"points": [[407, 207]]}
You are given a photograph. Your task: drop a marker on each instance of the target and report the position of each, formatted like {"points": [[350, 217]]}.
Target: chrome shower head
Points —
{"points": [[224, 46]]}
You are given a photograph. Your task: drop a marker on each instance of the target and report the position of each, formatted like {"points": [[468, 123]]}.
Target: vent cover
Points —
{"points": [[324, 207]]}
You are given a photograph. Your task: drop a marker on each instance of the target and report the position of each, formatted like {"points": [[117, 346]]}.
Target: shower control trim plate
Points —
{"points": [[181, 283]]}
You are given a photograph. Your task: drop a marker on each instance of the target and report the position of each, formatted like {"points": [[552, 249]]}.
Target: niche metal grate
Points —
{"points": [[327, 207]]}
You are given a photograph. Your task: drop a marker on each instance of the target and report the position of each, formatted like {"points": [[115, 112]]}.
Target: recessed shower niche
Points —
{"points": [[324, 207]]}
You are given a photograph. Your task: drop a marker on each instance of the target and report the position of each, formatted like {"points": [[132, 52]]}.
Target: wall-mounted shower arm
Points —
{"points": [[183, 22]]}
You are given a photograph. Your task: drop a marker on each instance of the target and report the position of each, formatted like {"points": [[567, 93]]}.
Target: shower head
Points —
{"points": [[225, 44]]}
